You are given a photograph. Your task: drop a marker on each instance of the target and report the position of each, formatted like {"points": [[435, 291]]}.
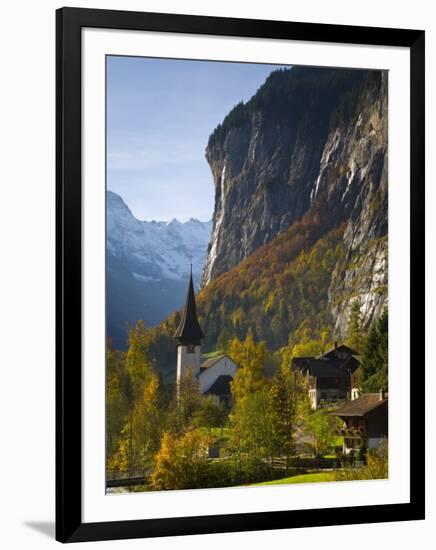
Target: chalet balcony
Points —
{"points": [[352, 432]]}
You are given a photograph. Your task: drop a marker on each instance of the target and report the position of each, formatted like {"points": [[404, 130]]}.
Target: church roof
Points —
{"points": [[221, 386], [210, 362], [189, 330]]}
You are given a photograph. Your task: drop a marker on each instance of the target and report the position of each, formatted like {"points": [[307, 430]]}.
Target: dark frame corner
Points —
{"points": [[69, 22]]}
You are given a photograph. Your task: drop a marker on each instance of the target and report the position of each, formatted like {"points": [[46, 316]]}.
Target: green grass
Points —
{"points": [[304, 478]]}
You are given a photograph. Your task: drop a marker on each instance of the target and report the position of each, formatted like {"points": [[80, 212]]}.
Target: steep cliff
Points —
{"points": [[311, 144]]}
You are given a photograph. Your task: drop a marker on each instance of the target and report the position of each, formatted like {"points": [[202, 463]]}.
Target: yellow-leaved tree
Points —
{"points": [[138, 364], [140, 434], [250, 357], [181, 462]]}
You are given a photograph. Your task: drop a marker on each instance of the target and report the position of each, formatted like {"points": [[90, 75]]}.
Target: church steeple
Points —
{"points": [[189, 331]]}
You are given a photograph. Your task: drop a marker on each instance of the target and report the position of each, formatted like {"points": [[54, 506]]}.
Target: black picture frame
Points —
{"points": [[69, 525]]}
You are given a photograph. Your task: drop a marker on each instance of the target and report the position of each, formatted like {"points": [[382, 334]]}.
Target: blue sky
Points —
{"points": [[160, 113]]}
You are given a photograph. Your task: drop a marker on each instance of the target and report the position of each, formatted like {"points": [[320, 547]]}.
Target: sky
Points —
{"points": [[160, 113]]}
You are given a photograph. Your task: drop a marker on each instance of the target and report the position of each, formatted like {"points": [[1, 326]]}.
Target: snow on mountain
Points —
{"points": [[156, 250], [148, 267]]}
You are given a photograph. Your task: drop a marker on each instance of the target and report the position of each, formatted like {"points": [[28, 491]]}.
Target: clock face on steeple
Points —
{"points": [[190, 348]]}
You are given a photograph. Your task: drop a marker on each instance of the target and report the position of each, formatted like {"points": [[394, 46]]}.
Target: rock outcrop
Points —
{"points": [[310, 139]]}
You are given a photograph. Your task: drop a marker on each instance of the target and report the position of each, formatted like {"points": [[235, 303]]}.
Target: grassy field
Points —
{"points": [[305, 478]]}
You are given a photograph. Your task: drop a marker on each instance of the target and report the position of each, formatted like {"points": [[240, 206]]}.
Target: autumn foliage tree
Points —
{"points": [[181, 461], [281, 286], [118, 398], [140, 434], [250, 357]]}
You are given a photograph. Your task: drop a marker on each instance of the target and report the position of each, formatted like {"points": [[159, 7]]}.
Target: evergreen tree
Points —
{"points": [[355, 333], [374, 367]]}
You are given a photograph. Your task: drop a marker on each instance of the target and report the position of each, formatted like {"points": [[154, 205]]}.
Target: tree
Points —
{"points": [[223, 341], [355, 332], [210, 414], [140, 435], [311, 347], [321, 427], [250, 357], [138, 363], [165, 474], [251, 440], [374, 366], [142, 422], [118, 398], [283, 398], [188, 401], [181, 462]]}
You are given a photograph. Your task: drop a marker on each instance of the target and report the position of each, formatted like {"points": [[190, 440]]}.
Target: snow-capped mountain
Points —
{"points": [[155, 250], [148, 265]]}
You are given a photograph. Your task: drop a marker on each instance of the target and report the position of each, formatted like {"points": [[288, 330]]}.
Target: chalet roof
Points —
{"points": [[221, 386], [210, 362], [360, 406], [189, 330], [320, 368], [351, 364], [325, 365], [342, 347]]}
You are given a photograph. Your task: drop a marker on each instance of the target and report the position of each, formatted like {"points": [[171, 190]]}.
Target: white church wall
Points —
{"points": [[188, 361], [224, 366]]}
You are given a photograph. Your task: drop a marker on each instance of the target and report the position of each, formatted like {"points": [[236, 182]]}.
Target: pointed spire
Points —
{"points": [[189, 330]]}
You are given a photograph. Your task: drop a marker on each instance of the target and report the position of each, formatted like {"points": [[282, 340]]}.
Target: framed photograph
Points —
{"points": [[240, 275]]}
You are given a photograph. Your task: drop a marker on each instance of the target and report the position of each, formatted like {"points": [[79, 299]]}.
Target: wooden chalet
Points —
{"points": [[329, 376], [365, 421]]}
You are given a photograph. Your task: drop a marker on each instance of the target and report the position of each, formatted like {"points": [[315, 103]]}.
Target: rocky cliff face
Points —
{"points": [[310, 139]]}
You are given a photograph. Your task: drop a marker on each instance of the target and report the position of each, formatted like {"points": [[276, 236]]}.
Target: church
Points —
{"points": [[214, 375]]}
